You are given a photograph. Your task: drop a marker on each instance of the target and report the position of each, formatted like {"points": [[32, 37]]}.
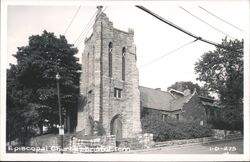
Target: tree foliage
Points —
{"points": [[222, 72], [31, 83]]}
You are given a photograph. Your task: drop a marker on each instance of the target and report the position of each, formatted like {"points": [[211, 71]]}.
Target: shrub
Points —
{"points": [[172, 129], [226, 124]]}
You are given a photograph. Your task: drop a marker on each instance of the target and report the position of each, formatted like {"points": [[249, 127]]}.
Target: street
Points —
{"points": [[220, 147], [233, 146]]}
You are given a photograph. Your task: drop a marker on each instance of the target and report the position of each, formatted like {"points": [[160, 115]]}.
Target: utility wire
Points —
{"points": [[161, 57], [206, 22], [89, 29], [220, 18], [72, 20], [84, 30], [185, 31]]}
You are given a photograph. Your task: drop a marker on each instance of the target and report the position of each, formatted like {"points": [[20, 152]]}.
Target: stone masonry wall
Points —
{"points": [[98, 87], [193, 110]]}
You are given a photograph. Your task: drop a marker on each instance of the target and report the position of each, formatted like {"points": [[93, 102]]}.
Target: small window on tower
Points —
{"points": [[110, 58], [117, 93], [90, 92], [90, 95], [123, 63], [177, 116]]}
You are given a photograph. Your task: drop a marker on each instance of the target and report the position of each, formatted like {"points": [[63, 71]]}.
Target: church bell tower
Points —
{"points": [[109, 88]]}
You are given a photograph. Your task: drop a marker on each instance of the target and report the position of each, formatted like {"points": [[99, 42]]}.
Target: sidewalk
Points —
{"points": [[160, 147]]}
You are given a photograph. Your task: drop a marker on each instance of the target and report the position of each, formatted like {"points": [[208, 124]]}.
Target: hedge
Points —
{"points": [[172, 129]]}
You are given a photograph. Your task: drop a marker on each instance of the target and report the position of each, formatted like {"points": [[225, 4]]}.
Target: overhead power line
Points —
{"points": [[206, 22], [72, 20], [220, 18], [89, 26], [161, 57], [85, 28], [185, 31]]}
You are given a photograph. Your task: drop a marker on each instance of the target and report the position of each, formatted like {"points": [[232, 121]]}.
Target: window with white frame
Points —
{"points": [[117, 93], [164, 117]]}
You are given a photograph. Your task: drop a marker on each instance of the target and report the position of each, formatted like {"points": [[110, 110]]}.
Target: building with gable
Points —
{"points": [[112, 102], [179, 105]]}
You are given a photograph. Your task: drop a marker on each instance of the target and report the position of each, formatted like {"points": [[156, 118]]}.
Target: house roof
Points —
{"points": [[207, 99], [176, 91], [178, 103], [155, 99], [165, 100], [209, 102], [162, 100]]}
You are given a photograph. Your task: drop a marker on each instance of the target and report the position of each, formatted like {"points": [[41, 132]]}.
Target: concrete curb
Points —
{"points": [[181, 145]]}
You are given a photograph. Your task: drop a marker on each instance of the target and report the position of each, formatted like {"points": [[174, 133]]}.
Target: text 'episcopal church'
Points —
{"points": [[109, 84]]}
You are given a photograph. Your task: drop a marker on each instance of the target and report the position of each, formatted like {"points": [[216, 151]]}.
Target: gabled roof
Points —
{"points": [[179, 103], [162, 100], [207, 99], [155, 99], [209, 102], [176, 91]]}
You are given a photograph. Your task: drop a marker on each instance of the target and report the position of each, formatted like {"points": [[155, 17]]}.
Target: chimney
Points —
{"points": [[187, 92], [179, 86], [99, 12], [131, 31], [99, 9]]}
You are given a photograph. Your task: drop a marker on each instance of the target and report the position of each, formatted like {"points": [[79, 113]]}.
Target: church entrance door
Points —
{"points": [[116, 127]]}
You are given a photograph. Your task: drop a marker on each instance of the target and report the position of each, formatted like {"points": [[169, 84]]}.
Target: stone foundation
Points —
{"points": [[142, 141], [106, 144], [102, 144]]}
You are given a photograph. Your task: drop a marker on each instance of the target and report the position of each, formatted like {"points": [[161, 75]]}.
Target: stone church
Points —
{"points": [[112, 102], [109, 82]]}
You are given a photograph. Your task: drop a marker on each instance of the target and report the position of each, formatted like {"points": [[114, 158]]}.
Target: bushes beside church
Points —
{"points": [[172, 129], [223, 124]]}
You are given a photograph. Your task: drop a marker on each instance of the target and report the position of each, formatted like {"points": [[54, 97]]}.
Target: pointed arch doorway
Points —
{"points": [[116, 127]]}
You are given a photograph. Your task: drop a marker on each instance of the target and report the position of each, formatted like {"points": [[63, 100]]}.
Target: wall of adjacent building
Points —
{"points": [[150, 112], [194, 110]]}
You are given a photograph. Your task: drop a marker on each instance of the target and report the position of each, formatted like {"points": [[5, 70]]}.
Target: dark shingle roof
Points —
{"points": [[155, 99], [179, 103], [161, 100]]}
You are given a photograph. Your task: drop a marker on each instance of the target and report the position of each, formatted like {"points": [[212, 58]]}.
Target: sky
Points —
{"points": [[152, 37]]}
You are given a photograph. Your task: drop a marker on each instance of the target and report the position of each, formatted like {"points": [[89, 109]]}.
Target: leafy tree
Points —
{"points": [[31, 84], [183, 85], [222, 72]]}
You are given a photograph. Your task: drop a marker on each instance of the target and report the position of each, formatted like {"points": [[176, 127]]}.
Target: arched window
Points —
{"points": [[123, 63], [88, 68], [110, 58], [93, 63]]}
